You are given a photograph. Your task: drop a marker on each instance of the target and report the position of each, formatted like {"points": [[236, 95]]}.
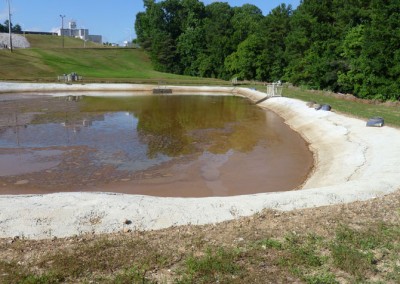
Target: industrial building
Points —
{"points": [[73, 31]]}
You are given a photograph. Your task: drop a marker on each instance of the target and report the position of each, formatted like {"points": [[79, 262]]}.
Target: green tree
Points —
{"points": [[191, 44], [245, 62], [275, 30], [380, 53], [218, 30], [246, 20], [160, 28], [370, 51], [155, 30], [191, 41], [340, 45], [314, 45], [247, 24], [351, 80], [17, 29], [311, 44], [6, 26], [297, 42]]}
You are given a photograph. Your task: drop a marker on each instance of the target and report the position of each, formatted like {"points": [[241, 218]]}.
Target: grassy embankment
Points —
{"points": [[45, 60], [390, 112], [342, 104]]}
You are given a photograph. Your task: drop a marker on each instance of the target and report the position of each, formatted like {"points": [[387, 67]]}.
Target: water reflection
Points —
{"points": [[176, 125], [187, 146], [135, 133]]}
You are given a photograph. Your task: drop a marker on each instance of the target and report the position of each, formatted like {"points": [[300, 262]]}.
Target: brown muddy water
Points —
{"points": [[176, 146]]}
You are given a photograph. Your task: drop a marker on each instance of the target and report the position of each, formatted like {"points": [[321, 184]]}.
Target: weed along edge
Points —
{"points": [[352, 162]]}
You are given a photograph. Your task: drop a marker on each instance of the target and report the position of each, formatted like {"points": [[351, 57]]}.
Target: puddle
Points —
{"points": [[187, 146]]}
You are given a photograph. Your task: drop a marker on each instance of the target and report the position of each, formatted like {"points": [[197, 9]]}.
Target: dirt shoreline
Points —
{"points": [[353, 163]]}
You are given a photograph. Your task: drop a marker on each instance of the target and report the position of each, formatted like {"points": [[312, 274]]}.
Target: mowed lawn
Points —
{"points": [[46, 59]]}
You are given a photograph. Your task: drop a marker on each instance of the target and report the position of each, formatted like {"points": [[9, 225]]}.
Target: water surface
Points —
{"points": [[154, 145]]}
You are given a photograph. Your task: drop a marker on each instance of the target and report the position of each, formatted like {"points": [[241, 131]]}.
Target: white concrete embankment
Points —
{"points": [[353, 162]]}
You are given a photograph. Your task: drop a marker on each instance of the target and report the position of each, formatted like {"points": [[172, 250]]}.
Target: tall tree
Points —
{"points": [[341, 45], [380, 53], [275, 31], [311, 44], [246, 23], [218, 30], [245, 62], [160, 28], [191, 41], [246, 20], [17, 29]]}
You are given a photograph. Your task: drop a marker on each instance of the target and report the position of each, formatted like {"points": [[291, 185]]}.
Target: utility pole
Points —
{"points": [[9, 25], [62, 29]]}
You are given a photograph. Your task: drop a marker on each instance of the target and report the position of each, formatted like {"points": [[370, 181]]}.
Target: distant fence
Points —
{"points": [[70, 77], [275, 89], [37, 33]]}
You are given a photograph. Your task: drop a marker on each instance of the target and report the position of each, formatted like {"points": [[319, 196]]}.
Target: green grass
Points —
{"points": [[94, 64], [346, 255], [52, 41], [363, 110], [46, 60], [391, 114], [217, 265], [352, 251]]}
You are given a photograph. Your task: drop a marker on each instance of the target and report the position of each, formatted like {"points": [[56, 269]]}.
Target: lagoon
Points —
{"points": [[169, 145]]}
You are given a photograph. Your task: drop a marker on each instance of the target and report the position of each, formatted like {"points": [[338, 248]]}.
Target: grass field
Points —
{"points": [[49, 41], [46, 60]]}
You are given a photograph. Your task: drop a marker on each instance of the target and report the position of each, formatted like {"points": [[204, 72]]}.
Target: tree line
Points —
{"points": [[349, 46], [15, 29]]}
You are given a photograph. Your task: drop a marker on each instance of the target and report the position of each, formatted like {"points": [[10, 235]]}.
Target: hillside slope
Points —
{"points": [[45, 61], [54, 41]]}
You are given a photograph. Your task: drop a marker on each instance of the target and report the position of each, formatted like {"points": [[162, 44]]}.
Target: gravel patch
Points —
{"points": [[18, 41]]}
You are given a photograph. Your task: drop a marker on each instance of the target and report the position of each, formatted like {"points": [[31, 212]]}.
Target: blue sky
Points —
{"points": [[113, 19]]}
